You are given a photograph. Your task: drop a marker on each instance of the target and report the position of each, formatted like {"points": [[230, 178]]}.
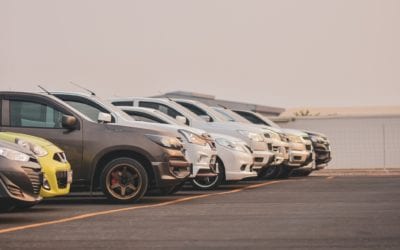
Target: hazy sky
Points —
{"points": [[284, 53]]}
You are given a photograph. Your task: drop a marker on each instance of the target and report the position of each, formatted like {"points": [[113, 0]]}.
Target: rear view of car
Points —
{"points": [[20, 177], [57, 174]]}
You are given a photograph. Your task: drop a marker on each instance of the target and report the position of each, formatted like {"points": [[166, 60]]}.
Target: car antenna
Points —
{"points": [[45, 90], [79, 86]]}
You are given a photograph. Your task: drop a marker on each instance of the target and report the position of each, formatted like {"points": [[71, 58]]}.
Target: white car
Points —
{"points": [[253, 136], [235, 160], [199, 147], [274, 137], [301, 154]]}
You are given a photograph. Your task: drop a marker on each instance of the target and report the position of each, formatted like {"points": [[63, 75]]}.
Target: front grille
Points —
{"points": [[60, 157], [62, 179], [308, 147], [275, 148], [269, 146], [36, 178], [258, 159]]}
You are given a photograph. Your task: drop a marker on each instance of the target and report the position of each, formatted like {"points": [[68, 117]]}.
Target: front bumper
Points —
{"points": [[322, 153], [20, 182], [262, 159], [175, 170], [238, 165], [299, 158], [57, 178], [202, 158]]}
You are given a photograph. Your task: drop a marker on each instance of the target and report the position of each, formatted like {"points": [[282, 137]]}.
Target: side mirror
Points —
{"points": [[181, 119], [205, 118], [104, 118], [69, 122]]}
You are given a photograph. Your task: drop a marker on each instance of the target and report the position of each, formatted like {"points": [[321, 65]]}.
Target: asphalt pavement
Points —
{"points": [[316, 212]]}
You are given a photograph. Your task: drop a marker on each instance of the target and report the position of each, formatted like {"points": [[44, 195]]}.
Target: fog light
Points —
{"points": [[46, 184]]}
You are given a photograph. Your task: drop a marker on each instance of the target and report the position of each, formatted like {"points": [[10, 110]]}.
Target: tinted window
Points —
{"points": [[123, 103], [138, 116], [198, 111], [90, 111], [252, 118], [31, 114], [160, 107]]}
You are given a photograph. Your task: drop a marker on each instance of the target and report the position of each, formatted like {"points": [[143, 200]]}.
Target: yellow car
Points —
{"points": [[57, 173]]}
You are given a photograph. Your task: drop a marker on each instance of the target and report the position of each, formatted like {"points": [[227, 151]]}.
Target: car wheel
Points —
{"points": [[285, 172], [209, 183], [269, 173], [124, 180], [301, 172]]}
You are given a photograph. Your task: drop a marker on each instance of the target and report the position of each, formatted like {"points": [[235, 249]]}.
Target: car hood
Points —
{"points": [[10, 136], [13, 146], [294, 132], [314, 133], [234, 126]]}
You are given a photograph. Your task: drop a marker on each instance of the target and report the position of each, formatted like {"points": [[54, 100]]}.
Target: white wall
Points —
{"points": [[358, 142]]}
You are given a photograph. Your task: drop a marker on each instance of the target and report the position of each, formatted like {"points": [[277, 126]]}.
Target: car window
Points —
{"points": [[123, 103], [252, 118], [198, 111], [139, 116], [32, 114], [162, 108], [90, 111]]}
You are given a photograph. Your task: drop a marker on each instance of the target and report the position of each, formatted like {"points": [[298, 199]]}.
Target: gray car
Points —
{"points": [[121, 161]]}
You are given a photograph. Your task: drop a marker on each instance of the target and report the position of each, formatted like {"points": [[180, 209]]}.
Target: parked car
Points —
{"points": [[262, 155], [235, 161], [274, 137], [57, 174], [298, 138], [20, 177], [199, 146], [121, 161]]}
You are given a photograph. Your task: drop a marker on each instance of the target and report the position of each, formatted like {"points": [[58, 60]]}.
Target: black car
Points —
{"points": [[20, 177], [321, 147]]}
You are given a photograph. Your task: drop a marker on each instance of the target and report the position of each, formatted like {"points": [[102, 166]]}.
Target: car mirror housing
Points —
{"points": [[205, 118], [104, 118], [69, 122], [181, 119]]}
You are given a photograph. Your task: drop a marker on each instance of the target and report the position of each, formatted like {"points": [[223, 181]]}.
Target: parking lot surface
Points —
{"points": [[316, 212]]}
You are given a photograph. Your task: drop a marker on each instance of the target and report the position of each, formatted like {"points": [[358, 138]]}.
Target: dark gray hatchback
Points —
{"points": [[121, 161]]}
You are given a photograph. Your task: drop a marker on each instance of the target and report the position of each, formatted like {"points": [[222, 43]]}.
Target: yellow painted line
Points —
{"points": [[330, 177], [112, 211]]}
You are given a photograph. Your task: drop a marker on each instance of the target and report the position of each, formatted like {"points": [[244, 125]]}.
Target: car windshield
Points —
{"points": [[230, 115]]}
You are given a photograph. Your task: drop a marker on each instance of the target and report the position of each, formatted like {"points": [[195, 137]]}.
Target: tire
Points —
{"points": [[285, 172], [270, 172], [210, 183], [124, 180], [301, 172]]}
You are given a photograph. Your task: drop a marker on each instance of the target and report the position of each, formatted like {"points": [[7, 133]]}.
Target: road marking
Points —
{"points": [[112, 211], [330, 177]]}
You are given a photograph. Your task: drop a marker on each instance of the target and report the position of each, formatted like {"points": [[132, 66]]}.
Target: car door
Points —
{"points": [[42, 118]]}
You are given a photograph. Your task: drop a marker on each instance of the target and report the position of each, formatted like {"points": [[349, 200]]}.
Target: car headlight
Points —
{"points": [[230, 145], [273, 135], [295, 138], [36, 149], [13, 155], [193, 138], [252, 136], [166, 141]]}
